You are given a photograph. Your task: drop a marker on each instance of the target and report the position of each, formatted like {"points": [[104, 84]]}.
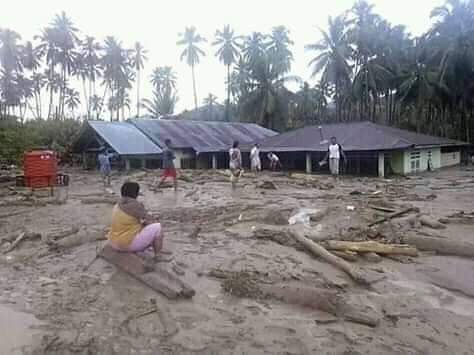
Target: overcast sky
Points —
{"points": [[156, 24]]}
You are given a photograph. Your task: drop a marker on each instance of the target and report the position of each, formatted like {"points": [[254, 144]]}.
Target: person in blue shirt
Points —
{"points": [[104, 166]]}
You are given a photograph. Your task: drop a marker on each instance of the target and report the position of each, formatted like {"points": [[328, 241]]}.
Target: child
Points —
{"points": [[132, 228], [168, 165], [235, 163]]}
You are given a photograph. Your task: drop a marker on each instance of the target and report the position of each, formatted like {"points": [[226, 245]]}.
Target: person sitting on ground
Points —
{"points": [[235, 163], [255, 162], [133, 229], [168, 165], [274, 161], [334, 155], [104, 166]]}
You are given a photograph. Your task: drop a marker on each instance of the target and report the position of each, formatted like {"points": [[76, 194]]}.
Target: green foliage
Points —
{"points": [[15, 138]]}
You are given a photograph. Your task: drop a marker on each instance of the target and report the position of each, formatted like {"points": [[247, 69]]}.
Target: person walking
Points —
{"points": [[168, 165], [235, 164], [334, 154]]}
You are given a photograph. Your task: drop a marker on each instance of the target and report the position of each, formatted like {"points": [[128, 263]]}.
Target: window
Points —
{"points": [[415, 161]]}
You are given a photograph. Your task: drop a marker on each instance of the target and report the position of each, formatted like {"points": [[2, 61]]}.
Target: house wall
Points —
{"points": [[416, 160], [450, 159], [397, 162]]}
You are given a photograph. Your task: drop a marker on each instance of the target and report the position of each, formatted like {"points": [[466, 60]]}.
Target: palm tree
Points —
{"points": [[138, 59], [279, 49], [163, 78], [66, 40], [332, 59], [227, 54], [72, 100], [161, 104], [117, 73], [90, 55], [190, 39], [210, 101], [254, 47]]}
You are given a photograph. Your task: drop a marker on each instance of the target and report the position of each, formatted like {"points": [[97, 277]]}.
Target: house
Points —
{"points": [[139, 142], [371, 149], [128, 142]]}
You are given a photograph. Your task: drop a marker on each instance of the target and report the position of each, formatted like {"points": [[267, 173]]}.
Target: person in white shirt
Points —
{"points": [[334, 155], [255, 163], [274, 161]]}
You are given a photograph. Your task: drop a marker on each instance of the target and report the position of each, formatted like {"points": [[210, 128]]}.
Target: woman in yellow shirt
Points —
{"points": [[132, 228]]}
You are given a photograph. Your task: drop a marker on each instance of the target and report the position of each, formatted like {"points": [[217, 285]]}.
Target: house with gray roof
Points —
{"points": [[139, 142], [371, 149]]}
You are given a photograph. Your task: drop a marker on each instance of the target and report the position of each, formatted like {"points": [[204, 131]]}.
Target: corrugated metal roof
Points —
{"points": [[355, 136], [202, 136], [125, 138]]}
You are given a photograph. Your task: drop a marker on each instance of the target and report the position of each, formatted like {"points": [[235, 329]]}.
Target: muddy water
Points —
{"points": [[15, 330]]}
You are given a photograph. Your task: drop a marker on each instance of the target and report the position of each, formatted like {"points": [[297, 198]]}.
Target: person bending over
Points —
{"points": [[133, 229]]}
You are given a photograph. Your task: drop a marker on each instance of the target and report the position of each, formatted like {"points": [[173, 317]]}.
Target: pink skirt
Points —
{"points": [[143, 239]]}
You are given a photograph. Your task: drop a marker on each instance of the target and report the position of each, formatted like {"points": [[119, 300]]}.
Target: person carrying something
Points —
{"points": [[133, 229], [168, 165], [235, 163], [255, 163], [334, 154], [104, 166], [274, 161]]}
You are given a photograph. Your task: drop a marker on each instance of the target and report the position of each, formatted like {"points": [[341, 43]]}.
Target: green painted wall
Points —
{"points": [[397, 162]]}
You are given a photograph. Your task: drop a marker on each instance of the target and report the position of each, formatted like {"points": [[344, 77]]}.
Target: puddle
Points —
{"points": [[15, 330], [439, 298]]}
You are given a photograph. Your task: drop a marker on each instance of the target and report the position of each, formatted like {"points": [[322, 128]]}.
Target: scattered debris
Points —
{"points": [[371, 246], [266, 184]]}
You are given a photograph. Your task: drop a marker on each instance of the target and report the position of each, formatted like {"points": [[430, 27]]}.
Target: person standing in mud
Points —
{"points": [[168, 165], [334, 154], [104, 166], [235, 164], [255, 163], [274, 161]]}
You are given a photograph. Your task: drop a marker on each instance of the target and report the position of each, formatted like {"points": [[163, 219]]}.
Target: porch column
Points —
{"points": [[84, 160], [309, 167], [127, 164], [143, 163], [381, 164], [214, 161]]}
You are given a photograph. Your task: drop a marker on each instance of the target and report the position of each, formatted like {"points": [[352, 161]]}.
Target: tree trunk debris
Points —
{"points": [[394, 215], [371, 246]]}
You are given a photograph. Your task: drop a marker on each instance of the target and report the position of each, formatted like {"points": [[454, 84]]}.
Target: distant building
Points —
{"points": [[371, 149], [138, 142]]}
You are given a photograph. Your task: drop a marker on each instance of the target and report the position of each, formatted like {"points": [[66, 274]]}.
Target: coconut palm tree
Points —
{"points": [[227, 53], [332, 59], [66, 41], [210, 102], [254, 47], [90, 58], [190, 39], [72, 100], [138, 60], [163, 78], [162, 103], [279, 49]]}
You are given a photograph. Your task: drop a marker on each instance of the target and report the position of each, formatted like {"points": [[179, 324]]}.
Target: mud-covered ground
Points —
{"points": [[53, 302]]}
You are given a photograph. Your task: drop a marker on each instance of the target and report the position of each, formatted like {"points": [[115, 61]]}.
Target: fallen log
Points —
{"points": [[11, 214], [159, 280], [82, 237], [59, 233], [346, 255], [354, 272], [99, 200], [394, 215], [22, 237], [329, 301], [371, 246], [441, 246], [382, 209], [431, 223]]}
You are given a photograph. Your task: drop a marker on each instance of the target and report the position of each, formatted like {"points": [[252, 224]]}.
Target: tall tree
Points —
{"points": [[90, 55], [332, 59], [190, 39], [210, 102], [279, 47], [227, 53], [138, 61]]}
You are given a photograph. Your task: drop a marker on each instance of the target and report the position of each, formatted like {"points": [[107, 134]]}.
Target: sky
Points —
{"points": [[156, 24]]}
